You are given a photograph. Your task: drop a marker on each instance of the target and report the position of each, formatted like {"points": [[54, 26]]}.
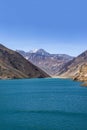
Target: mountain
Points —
{"points": [[14, 65], [82, 73], [76, 68], [50, 63], [40, 52]]}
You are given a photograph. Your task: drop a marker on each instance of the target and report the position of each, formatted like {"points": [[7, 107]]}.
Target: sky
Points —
{"points": [[58, 26]]}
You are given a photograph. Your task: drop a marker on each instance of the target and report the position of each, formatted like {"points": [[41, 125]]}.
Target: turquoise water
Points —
{"points": [[42, 104]]}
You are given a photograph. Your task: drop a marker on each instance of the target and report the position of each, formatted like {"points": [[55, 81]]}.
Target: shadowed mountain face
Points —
{"points": [[76, 69], [13, 65], [50, 63]]}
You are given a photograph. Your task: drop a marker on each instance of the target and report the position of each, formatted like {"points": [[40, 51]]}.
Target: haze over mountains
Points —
{"points": [[14, 65], [50, 63]]}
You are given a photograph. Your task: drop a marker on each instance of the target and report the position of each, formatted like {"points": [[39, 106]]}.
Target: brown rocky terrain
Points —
{"points": [[82, 73], [13, 65], [76, 68]]}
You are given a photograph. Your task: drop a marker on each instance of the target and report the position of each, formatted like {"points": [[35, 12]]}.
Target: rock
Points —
{"points": [[84, 84]]}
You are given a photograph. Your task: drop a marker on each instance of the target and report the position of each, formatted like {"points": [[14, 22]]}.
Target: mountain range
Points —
{"points": [[41, 64], [60, 65], [14, 65], [50, 63]]}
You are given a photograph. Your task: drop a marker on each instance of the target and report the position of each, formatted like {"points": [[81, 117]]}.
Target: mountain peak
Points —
{"points": [[42, 52], [39, 51], [33, 51]]}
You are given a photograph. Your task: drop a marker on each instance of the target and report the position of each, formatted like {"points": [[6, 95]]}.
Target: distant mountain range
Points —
{"points": [[50, 63], [13, 65]]}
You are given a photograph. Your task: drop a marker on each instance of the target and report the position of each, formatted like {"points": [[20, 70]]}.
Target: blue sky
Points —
{"points": [[58, 26]]}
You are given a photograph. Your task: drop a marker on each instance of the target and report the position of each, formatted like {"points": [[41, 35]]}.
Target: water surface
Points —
{"points": [[42, 104]]}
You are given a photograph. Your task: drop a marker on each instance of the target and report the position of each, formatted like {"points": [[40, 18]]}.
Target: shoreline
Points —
{"points": [[59, 77]]}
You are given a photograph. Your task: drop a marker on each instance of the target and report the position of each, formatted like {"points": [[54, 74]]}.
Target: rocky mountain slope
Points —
{"points": [[82, 73], [76, 68], [13, 65], [50, 63]]}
